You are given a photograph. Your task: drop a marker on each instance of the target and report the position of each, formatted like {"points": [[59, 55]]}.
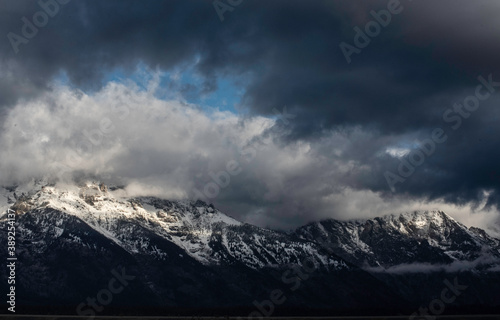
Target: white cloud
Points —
{"points": [[126, 135], [455, 266], [397, 152]]}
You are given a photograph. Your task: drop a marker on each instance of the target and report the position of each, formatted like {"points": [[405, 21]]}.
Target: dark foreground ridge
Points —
{"points": [[373, 317]]}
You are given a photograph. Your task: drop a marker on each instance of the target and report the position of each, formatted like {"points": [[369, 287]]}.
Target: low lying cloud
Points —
{"points": [[352, 122], [455, 266], [126, 135], [494, 269]]}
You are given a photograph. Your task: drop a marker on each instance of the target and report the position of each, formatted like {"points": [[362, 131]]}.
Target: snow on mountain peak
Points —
{"points": [[137, 223], [188, 224], [210, 236]]}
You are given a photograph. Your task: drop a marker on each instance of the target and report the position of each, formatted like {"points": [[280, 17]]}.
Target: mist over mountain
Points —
{"points": [[188, 254], [163, 96]]}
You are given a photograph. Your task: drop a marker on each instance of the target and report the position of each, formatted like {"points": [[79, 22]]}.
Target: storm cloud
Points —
{"points": [[351, 120]]}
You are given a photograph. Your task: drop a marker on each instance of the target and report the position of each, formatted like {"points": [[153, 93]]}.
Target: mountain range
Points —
{"points": [[185, 257]]}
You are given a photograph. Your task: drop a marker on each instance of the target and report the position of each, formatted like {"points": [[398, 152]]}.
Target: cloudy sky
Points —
{"points": [[279, 113]]}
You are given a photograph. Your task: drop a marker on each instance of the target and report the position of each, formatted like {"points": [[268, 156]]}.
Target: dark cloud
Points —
{"points": [[286, 53]]}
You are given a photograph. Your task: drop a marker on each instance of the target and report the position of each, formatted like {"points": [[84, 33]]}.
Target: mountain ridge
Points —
{"points": [[180, 250], [190, 224]]}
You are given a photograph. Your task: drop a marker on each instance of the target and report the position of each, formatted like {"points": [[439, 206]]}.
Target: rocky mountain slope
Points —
{"points": [[426, 236], [70, 238]]}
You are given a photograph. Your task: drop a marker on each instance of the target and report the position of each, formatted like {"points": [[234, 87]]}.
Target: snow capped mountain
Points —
{"points": [[420, 236], [188, 253], [203, 232]]}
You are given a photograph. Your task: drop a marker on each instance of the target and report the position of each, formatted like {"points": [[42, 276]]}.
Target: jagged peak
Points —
{"points": [[422, 220], [436, 216]]}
